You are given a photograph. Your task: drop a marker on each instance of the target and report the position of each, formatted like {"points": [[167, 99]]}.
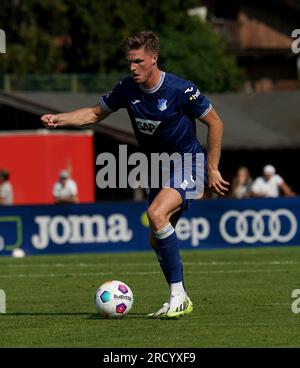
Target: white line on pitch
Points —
{"points": [[140, 273], [213, 263]]}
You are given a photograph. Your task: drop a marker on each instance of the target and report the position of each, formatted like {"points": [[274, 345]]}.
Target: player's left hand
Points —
{"points": [[217, 183]]}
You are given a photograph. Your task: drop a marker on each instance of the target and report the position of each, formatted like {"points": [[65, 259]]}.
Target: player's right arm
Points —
{"points": [[76, 118], [89, 115]]}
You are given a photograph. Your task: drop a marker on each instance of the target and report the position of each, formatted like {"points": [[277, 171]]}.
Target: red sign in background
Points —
{"points": [[35, 160]]}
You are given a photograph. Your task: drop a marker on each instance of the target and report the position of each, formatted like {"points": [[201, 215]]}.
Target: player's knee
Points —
{"points": [[156, 217]]}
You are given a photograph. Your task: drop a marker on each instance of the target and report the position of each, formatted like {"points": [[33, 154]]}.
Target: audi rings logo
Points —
{"points": [[253, 226]]}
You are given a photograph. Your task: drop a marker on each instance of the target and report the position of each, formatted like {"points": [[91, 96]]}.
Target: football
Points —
{"points": [[113, 299], [18, 253]]}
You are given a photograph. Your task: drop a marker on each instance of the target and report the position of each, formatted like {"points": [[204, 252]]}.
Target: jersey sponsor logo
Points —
{"points": [[135, 102], [189, 90], [162, 104], [195, 95], [147, 126]]}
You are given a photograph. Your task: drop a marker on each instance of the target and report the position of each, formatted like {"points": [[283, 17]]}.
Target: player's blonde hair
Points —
{"points": [[147, 39]]}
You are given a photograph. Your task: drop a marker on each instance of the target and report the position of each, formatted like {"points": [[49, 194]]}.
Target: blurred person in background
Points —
{"points": [[270, 184], [241, 183], [6, 189], [65, 189]]}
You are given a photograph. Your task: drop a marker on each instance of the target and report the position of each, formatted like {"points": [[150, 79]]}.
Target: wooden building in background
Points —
{"points": [[259, 34]]}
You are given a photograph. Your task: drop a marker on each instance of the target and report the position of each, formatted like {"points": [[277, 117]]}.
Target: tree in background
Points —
{"points": [[84, 36], [190, 47], [198, 55], [97, 29], [33, 35]]}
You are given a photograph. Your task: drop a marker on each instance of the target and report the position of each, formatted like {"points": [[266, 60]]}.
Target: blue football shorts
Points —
{"points": [[188, 177]]}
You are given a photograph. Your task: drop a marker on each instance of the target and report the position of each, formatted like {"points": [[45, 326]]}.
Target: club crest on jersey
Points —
{"points": [[162, 104]]}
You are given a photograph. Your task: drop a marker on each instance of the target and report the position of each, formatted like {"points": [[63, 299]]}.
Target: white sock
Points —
{"points": [[177, 288]]}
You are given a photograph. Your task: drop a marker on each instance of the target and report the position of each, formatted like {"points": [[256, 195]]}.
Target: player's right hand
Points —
{"points": [[217, 183], [50, 120]]}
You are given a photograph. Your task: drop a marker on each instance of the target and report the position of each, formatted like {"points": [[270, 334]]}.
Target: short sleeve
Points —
{"points": [[73, 188], [114, 100], [279, 179], [256, 186], [56, 190], [194, 102]]}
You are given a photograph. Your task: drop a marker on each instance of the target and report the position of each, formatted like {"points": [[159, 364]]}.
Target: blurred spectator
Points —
{"points": [[241, 183], [140, 186], [6, 190], [270, 184], [65, 189]]}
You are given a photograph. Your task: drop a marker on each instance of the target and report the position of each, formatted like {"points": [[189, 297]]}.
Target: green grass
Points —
{"points": [[242, 298]]}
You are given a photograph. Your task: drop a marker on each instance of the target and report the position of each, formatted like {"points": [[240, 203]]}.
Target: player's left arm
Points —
{"points": [[214, 144]]}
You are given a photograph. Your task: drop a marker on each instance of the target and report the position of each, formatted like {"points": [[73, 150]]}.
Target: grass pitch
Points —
{"points": [[242, 298]]}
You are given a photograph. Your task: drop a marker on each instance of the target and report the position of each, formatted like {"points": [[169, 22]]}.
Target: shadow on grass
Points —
{"points": [[131, 315], [86, 315]]}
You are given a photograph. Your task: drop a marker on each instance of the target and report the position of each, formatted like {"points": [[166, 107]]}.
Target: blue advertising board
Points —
{"points": [[123, 226]]}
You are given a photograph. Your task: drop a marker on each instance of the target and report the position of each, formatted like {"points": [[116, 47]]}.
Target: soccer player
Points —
{"points": [[162, 108]]}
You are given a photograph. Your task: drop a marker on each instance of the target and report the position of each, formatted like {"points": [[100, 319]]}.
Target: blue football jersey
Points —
{"points": [[163, 118]]}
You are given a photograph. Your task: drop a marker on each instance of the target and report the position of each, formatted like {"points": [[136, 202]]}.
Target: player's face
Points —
{"points": [[141, 64]]}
